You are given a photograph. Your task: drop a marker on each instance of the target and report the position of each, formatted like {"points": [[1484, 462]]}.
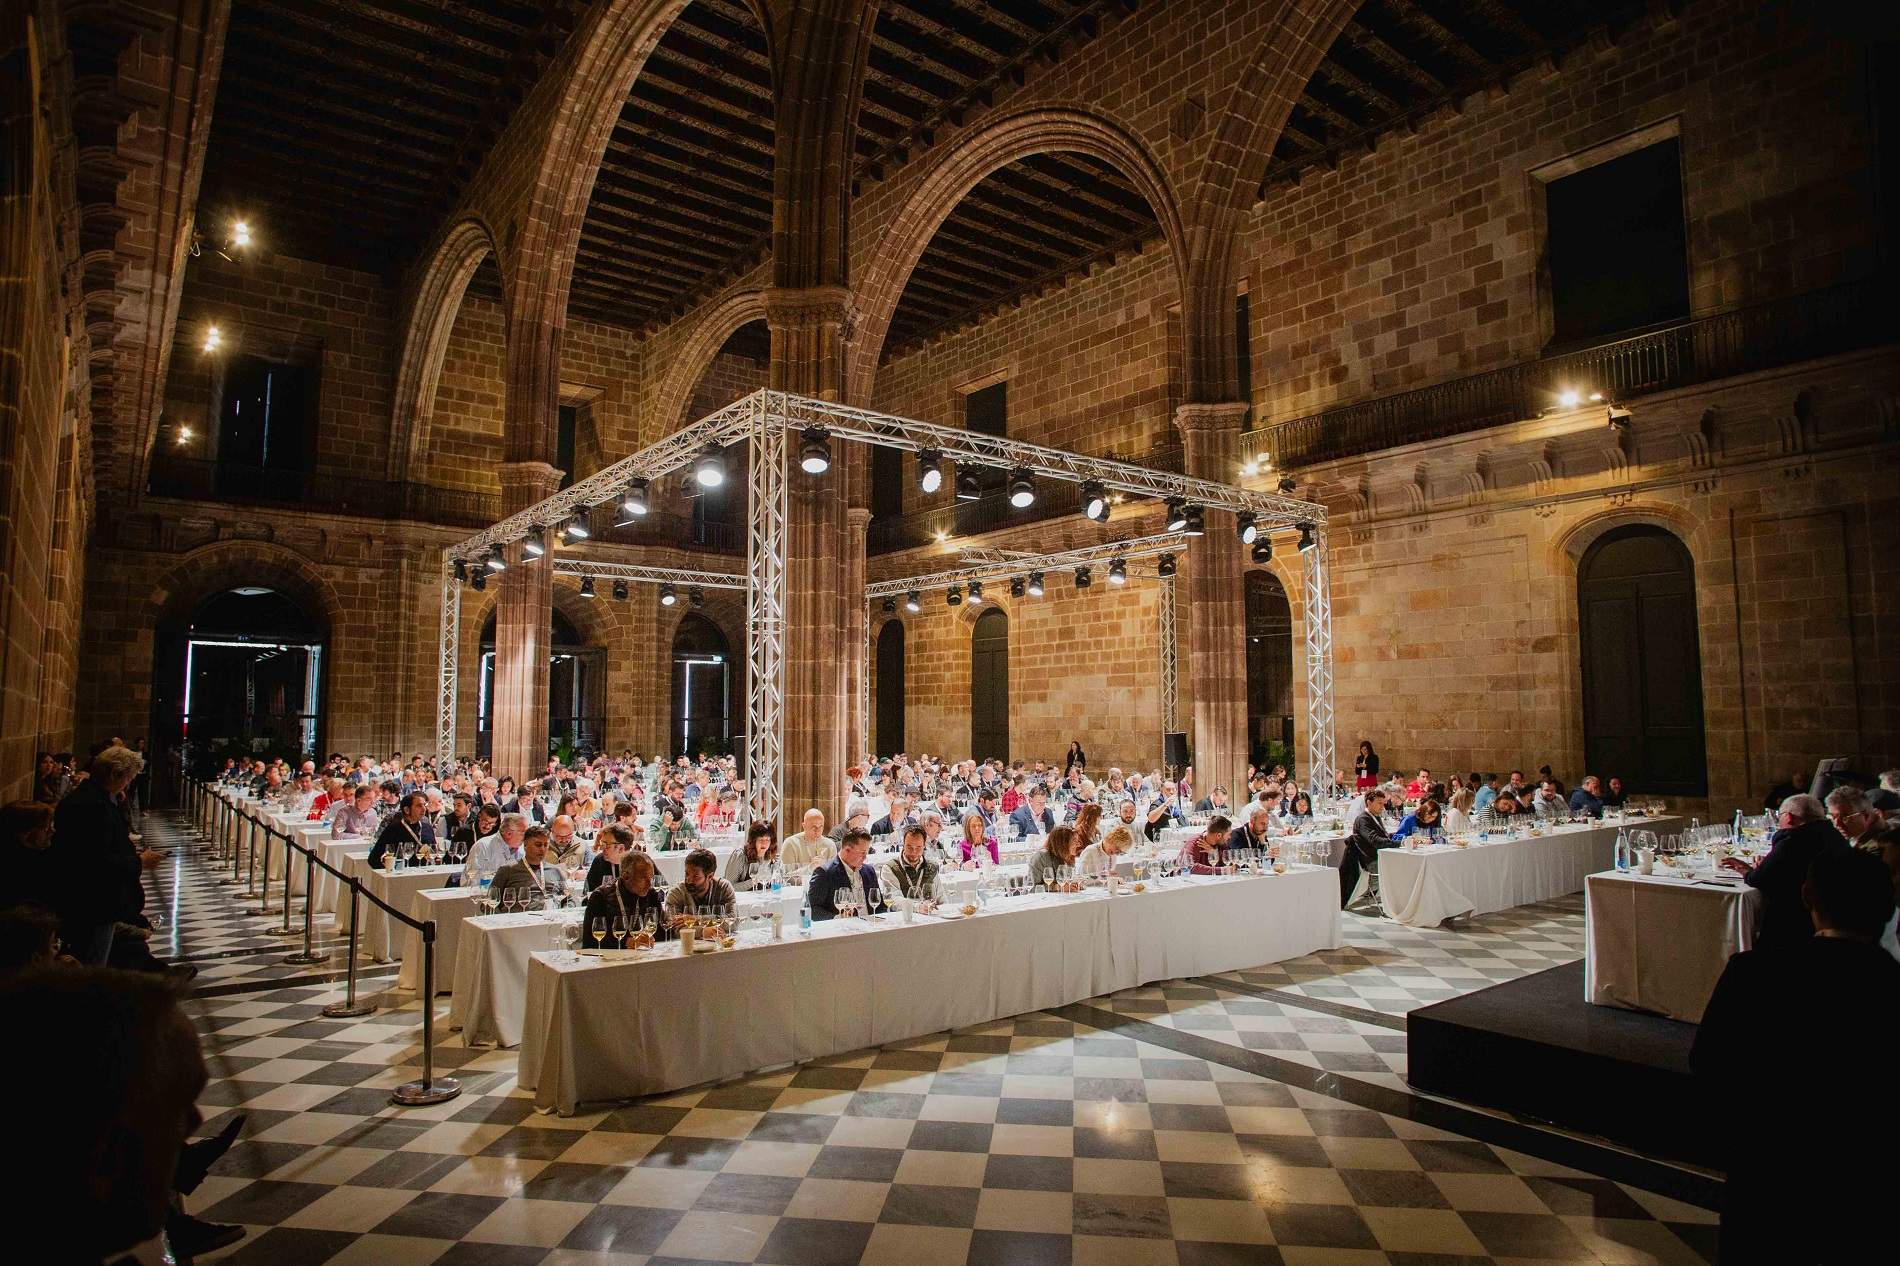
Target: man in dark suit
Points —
{"points": [[1804, 834], [1777, 1046], [1034, 818], [93, 861], [1363, 845], [847, 873], [896, 820], [1254, 833], [406, 828]]}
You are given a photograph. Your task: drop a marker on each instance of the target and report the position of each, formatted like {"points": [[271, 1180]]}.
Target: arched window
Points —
{"points": [[1642, 665], [577, 681], [989, 686], [252, 673], [1269, 664], [702, 687], [890, 688]]}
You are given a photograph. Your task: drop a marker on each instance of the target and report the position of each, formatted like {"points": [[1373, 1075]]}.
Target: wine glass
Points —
{"points": [[599, 930], [875, 899], [653, 925], [571, 936], [620, 931]]}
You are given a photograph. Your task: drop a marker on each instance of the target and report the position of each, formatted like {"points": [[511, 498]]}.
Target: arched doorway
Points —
{"points": [[890, 688], [250, 667], [577, 681], [1642, 663], [1269, 666], [702, 688], [989, 686]]}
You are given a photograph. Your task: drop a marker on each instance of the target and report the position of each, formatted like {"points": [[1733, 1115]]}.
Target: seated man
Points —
{"points": [[1803, 835], [702, 891], [1363, 845], [404, 831], [910, 874], [358, 817], [1587, 799], [896, 820], [1255, 834], [630, 895], [857, 817], [1613, 796], [1035, 817], [810, 847], [616, 842], [1799, 1185], [1854, 816], [847, 872], [1206, 853], [1487, 792], [1215, 802], [532, 871], [492, 852]]}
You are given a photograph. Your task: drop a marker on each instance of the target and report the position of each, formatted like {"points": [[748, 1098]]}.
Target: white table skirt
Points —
{"points": [[671, 865], [1424, 887], [380, 936], [449, 907], [491, 964], [330, 890], [1659, 944], [596, 1031]]}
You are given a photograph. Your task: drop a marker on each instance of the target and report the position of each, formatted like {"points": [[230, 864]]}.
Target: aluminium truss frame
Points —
{"points": [[763, 420]]}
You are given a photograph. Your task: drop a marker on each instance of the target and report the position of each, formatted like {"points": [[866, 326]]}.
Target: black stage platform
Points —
{"points": [[1535, 1048]]}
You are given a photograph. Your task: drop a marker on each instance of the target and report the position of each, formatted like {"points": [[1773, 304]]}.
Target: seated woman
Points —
{"points": [[632, 896], [1087, 825], [1058, 849], [1458, 812], [761, 850], [1506, 805], [1297, 813], [1423, 821], [1206, 853], [1100, 859], [978, 847]]}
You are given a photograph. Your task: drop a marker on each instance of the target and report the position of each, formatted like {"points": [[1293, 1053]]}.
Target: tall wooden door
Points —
{"points": [[989, 686], [1642, 665]]}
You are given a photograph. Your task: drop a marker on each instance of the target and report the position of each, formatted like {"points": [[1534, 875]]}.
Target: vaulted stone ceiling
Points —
{"points": [[347, 128]]}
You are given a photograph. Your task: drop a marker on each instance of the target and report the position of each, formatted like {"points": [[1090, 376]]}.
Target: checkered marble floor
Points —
{"points": [[1125, 1129]]}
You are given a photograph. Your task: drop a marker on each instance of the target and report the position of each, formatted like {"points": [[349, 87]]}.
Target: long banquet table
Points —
{"points": [[491, 963], [1659, 943], [1422, 887], [599, 1030], [450, 908]]}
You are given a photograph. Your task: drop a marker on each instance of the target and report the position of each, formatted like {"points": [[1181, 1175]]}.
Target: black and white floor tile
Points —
{"points": [[1224, 1120]]}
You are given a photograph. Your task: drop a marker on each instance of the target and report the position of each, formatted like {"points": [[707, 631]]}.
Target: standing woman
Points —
{"points": [[1077, 759], [1365, 766]]}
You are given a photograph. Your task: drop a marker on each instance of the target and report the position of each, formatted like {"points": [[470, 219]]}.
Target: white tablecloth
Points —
{"points": [[380, 936], [491, 964], [1659, 944], [449, 907], [671, 864], [330, 890], [596, 1031], [1423, 887]]}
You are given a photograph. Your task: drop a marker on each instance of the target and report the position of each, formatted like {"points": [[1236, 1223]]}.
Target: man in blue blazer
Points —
{"points": [[846, 873], [1034, 818]]}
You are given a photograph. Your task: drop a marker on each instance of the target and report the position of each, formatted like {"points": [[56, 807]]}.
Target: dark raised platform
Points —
{"points": [[1535, 1048]]}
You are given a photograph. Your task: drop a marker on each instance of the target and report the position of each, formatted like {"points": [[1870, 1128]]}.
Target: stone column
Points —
{"points": [[1217, 603], [855, 647], [808, 333], [523, 613]]}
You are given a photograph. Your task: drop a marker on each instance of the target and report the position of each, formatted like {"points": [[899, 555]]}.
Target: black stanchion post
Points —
{"points": [[431, 1089], [263, 896], [289, 858], [309, 952], [349, 1006]]}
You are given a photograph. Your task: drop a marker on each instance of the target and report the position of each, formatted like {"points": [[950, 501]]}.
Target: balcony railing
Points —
{"points": [[1819, 323], [200, 480], [992, 511]]}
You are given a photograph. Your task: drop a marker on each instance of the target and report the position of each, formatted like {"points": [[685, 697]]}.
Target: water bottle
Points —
{"points": [[1735, 832], [1622, 849], [804, 919], [778, 879]]}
